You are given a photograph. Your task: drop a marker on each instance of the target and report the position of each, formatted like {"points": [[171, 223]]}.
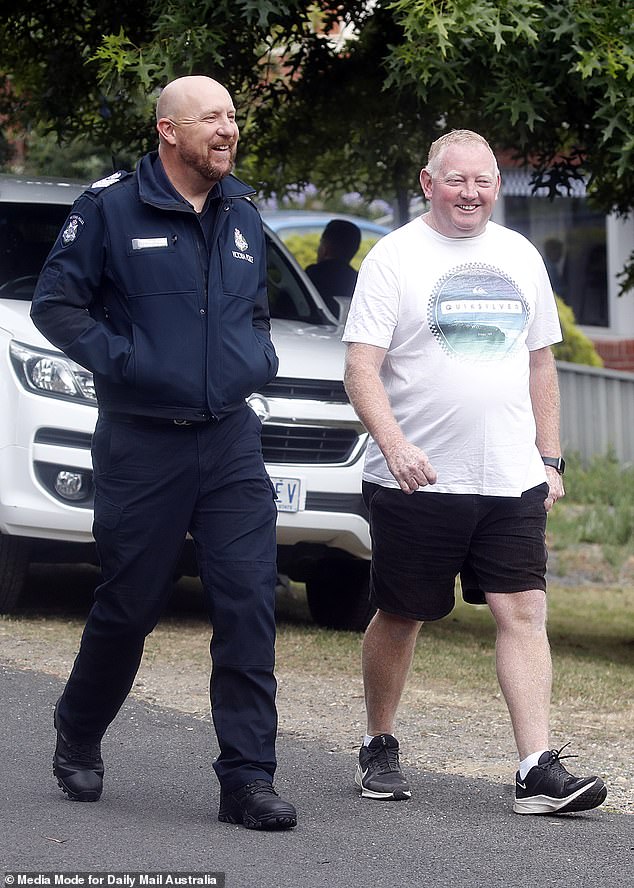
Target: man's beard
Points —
{"points": [[205, 166]]}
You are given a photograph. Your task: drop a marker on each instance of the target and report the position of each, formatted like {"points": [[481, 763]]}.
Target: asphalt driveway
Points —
{"points": [[158, 814]]}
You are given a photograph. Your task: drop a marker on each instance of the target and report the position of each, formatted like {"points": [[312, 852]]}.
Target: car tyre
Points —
{"points": [[14, 563], [337, 591]]}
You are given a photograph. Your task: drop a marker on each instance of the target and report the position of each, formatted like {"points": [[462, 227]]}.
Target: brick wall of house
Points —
{"points": [[617, 354]]}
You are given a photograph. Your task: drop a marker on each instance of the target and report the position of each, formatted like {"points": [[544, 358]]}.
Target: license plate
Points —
{"points": [[289, 494]]}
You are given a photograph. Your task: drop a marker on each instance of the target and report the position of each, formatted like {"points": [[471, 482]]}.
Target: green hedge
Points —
{"points": [[304, 248], [575, 347]]}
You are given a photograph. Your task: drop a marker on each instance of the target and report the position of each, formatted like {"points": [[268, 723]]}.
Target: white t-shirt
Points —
{"points": [[458, 317]]}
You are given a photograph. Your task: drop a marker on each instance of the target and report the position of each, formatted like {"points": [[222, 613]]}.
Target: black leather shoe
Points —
{"points": [[257, 806], [78, 767]]}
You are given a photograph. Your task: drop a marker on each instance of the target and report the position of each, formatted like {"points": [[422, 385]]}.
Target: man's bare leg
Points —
{"points": [[388, 648], [524, 666]]}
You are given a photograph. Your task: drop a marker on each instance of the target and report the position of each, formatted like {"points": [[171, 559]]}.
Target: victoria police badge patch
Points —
{"points": [[72, 230], [241, 241]]}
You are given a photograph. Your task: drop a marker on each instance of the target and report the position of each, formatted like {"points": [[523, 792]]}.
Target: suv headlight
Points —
{"points": [[52, 374]]}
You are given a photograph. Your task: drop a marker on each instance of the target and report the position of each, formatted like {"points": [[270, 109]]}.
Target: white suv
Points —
{"points": [[313, 442]]}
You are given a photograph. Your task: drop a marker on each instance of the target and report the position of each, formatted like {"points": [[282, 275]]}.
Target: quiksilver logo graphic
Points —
{"points": [[478, 313], [72, 229]]}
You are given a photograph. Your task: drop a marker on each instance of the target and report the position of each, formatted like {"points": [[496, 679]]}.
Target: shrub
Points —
{"points": [[575, 347], [304, 248]]}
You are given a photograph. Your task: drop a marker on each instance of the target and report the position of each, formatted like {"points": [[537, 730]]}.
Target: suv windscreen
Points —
{"points": [[28, 231], [288, 299]]}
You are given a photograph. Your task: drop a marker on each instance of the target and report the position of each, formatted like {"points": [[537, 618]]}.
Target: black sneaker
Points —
{"points": [[549, 789], [257, 806], [78, 767], [379, 774]]}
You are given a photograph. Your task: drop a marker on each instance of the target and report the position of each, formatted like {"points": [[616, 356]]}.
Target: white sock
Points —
{"points": [[529, 762], [368, 739]]}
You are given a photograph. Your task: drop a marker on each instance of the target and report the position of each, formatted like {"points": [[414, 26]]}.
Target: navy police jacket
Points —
{"points": [[172, 324]]}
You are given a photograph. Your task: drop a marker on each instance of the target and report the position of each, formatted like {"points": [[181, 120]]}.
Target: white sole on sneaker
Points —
{"points": [[400, 795], [543, 804]]}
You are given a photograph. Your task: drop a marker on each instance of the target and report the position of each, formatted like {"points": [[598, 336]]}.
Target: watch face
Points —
{"points": [[556, 462]]}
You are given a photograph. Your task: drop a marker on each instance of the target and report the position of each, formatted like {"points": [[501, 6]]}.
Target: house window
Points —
{"points": [[571, 237]]}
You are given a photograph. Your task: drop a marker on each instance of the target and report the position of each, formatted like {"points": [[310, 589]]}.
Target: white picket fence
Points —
{"points": [[597, 411]]}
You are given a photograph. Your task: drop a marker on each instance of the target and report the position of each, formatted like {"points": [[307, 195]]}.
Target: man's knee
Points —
{"points": [[394, 625], [517, 610]]}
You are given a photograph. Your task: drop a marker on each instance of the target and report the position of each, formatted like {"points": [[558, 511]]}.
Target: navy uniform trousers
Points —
{"points": [[155, 481]]}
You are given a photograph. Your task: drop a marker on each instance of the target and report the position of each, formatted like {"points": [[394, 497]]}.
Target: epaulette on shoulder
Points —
{"points": [[249, 200], [109, 180]]}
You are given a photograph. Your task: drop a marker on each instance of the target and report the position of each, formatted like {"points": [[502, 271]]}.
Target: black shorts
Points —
{"points": [[422, 541]]}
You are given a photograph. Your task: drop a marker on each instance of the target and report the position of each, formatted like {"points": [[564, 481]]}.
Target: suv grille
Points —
{"points": [[330, 390], [307, 444]]}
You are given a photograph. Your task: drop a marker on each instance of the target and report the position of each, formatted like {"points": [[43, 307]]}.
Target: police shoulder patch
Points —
{"points": [[240, 240], [73, 228]]}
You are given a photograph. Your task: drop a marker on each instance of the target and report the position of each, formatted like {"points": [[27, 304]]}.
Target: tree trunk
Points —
{"points": [[401, 207]]}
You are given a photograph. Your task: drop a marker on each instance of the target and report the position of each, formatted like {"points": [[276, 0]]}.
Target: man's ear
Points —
{"points": [[425, 183], [166, 130]]}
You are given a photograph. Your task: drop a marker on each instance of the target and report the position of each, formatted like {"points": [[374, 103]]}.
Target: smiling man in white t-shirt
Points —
{"points": [[450, 368]]}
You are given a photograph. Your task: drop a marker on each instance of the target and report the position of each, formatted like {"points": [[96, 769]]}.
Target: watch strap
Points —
{"points": [[556, 462]]}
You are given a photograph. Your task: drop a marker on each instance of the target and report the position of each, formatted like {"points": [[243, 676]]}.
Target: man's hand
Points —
{"points": [[410, 467], [408, 464], [555, 487]]}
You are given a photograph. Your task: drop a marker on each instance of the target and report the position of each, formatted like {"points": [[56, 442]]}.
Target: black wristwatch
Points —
{"points": [[556, 462]]}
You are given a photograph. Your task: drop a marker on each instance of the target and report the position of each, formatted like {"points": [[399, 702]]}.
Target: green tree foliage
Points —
{"points": [[48, 78], [336, 122], [93, 68], [550, 81], [77, 159], [5, 150]]}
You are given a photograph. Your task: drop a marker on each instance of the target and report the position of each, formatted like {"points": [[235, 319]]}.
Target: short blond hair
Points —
{"points": [[455, 137]]}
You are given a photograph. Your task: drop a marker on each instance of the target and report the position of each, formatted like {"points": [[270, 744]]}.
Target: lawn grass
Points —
{"points": [[591, 630], [598, 508]]}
